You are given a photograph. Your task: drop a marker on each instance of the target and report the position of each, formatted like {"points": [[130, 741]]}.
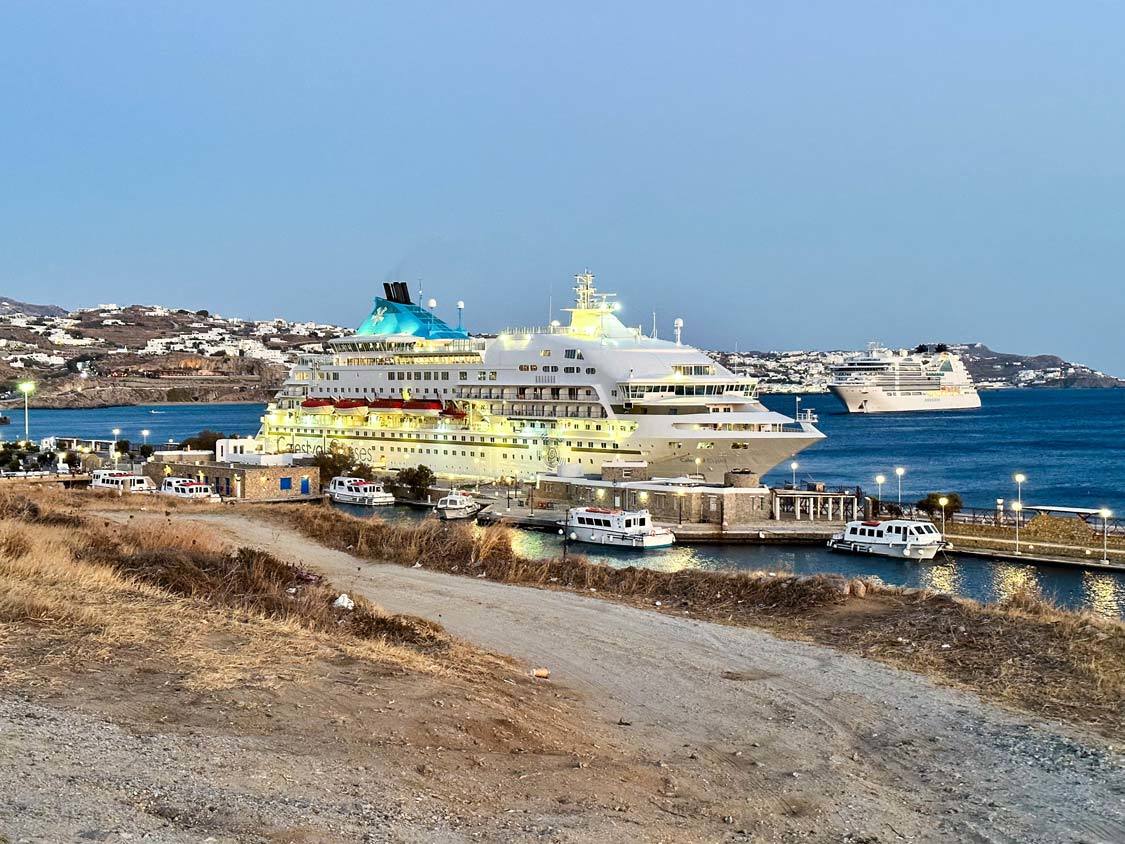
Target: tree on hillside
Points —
{"points": [[338, 462], [415, 483], [122, 446], [931, 503], [203, 441]]}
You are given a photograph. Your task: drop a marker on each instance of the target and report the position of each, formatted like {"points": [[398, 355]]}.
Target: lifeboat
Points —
{"points": [[452, 411], [385, 405], [318, 406], [425, 407], [351, 407]]}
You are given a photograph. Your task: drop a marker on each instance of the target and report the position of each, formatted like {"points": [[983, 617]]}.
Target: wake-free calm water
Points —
{"points": [[1068, 442]]}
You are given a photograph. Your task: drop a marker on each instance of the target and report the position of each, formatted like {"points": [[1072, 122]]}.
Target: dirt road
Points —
{"points": [[766, 731]]}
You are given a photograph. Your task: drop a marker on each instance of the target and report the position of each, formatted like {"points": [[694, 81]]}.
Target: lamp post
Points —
{"points": [[900, 472], [943, 501], [116, 431], [144, 436], [794, 465], [1019, 478], [1105, 513], [879, 481], [26, 387], [1016, 507]]}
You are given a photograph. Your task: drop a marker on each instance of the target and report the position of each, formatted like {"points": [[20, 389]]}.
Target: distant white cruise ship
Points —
{"points": [[881, 381], [408, 389]]}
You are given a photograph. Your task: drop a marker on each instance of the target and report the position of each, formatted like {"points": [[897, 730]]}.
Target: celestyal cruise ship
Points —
{"points": [[882, 380], [408, 389]]}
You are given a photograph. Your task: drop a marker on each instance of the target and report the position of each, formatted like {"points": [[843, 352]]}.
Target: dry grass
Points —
{"points": [[80, 592], [1024, 652]]}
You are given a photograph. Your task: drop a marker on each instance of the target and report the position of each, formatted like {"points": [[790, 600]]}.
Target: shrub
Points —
{"points": [[931, 504]]}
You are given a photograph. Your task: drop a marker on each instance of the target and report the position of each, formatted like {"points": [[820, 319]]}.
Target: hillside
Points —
{"points": [[138, 354]]}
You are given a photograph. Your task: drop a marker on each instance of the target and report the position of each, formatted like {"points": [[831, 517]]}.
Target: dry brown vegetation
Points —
{"points": [[1024, 652], [1053, 534]]}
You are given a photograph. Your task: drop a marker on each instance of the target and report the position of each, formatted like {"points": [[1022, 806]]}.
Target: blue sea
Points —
{"points": [[1069, 443]]}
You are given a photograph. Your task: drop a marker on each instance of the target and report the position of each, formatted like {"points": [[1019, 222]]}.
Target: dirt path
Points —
{"points": [[776, 735]]}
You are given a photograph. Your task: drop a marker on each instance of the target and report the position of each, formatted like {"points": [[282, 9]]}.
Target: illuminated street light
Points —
{"points": [[1016, 507], [1019, 478], [116, 431], [900, 472], [1105, 513], [27, 388], [943, 501], [794, 466]]}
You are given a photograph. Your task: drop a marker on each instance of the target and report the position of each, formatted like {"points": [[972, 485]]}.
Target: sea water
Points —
{"points": [[1069, 443]]}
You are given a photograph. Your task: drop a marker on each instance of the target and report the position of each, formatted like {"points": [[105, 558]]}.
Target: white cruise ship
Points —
{"points": [[882, 380], [409, 389]]}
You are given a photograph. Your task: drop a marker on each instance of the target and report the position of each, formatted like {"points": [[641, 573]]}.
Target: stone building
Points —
{"points": [[244, 481]]}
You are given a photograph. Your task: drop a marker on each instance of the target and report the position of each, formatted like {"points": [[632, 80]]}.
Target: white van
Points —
{"points": [[188, 488], [121, 482]]}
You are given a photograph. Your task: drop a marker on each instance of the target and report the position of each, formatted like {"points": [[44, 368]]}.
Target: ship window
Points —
{"points": [[492, 376], [591, 370], [545, 353]]}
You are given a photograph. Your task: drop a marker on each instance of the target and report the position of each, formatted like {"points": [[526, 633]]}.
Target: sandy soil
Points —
{"points": [[722, 733], [766, 729]]}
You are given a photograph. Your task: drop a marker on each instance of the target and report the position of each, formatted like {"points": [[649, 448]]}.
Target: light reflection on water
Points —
{"points": [[982, 580]]}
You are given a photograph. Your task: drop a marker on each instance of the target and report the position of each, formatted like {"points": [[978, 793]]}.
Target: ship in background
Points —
{"points": [[408, 389], [884, 381]]}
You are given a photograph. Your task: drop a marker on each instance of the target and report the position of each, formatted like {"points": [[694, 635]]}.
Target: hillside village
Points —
{"points": [[139, 354]]}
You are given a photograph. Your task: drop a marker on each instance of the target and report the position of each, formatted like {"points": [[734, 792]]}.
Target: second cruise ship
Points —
{"points": [[409, 389], [881, 381]]}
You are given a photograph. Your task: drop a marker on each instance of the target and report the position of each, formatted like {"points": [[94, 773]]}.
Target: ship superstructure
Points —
{"points": [[881, 380], [409, 389]]}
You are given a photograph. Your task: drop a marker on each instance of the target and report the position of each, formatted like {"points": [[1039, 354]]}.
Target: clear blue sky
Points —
{"points": [[783, 175]]}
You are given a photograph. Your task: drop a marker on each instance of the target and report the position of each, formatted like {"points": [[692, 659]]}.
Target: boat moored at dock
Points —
{"points": [[558, 397], [903, 538], [359, 491], [619, 528], [457, 505]]}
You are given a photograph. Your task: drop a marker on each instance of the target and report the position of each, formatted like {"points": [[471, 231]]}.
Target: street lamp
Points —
{"points": [[1019, 478], [26, 387], [943, 501], [144, 435], [1105, 513], [794, 466], [1016, 507], [116, 431], [879, 481], [900, 472]]}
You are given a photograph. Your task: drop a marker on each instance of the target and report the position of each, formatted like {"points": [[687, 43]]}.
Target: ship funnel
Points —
{"points": [[678, 328]]}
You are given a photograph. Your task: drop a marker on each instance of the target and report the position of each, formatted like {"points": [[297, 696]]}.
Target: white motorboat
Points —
{"points": [[457, 505], [902, 538], [359, 491], [620, 528], [188, 488]]}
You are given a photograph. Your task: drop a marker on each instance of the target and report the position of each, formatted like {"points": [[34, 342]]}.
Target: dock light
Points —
{"points": [[900, 472], [115, 433], [1017, 506], [943, 501], [144, 435], [1105, 513], [794, 466], [27, 388], [879, 481], [1019, 478]]}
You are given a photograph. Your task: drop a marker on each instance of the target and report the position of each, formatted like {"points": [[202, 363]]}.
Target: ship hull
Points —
{"points": [[447, 455], [877, 400]]}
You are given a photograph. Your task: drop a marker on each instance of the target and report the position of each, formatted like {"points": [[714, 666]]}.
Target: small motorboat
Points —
{"points": [[457, 505], [358, 491], [620, 528], [903, 538], [318, 406]]}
